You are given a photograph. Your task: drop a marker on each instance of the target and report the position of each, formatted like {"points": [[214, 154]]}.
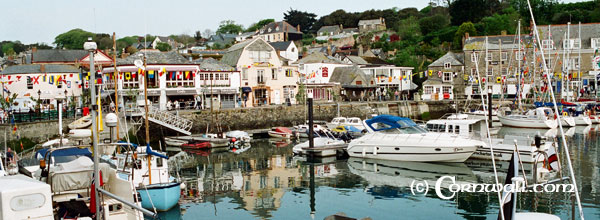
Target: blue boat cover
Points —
{"points": [[391, 121], [352, 129], [546, 104], [65, 152]]}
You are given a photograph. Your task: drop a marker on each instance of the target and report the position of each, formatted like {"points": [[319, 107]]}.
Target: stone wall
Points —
{"points": [[36, 131], [266, 117]]}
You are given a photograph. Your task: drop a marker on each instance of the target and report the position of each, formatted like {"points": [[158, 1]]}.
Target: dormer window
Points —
{"points": [[277, 28], [595, 43], [269, 30], [571, 43], [447, 65]]}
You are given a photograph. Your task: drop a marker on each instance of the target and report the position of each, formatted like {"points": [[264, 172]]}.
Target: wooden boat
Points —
{"points": [[280, 132], [83, 122]]}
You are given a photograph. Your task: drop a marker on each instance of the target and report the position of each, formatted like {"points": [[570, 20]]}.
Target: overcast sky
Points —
{"points": [[32, 21]]}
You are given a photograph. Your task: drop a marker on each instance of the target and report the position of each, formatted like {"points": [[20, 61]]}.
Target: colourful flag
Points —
{"points": [[150, 73]]}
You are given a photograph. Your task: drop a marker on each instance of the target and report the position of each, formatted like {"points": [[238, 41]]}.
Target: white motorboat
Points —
{"points": [[567, 121], [475, 129], [481, 114], [302, 130], [337, 121], [354, 122], [583, 120], [397, 138], [238, 137], [326, 145], [542, 117], [80, 123]]}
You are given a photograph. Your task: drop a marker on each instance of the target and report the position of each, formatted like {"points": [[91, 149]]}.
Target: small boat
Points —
{"points": [[302, 130], [280, 132], [214, 140], [480, 114], [239, 135], [80, 123], [567, 121], [196, 145], [354, 122], [398, 138], [583, 120], [174, 142], [325, 146], [595, 119], [336, 122], [541, 117]]}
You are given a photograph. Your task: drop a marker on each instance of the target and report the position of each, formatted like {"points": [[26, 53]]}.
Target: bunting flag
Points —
{"points": [[141, 72], [162, 72], [35, 79], [71, 75], [51, 81], [187, 74], [12, 121], [134, 75], [151, 74], [18, 78], [390, 79], [127, 76]]}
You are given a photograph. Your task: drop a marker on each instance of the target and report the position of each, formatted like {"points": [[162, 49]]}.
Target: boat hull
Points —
{"points": [[527, 123], [164, 196], [427, 154], [583, 120], [567, 121], [279, 135]]}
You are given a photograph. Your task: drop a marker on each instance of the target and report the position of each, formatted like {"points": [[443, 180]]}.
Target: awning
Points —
{"points": [[246, 89]]}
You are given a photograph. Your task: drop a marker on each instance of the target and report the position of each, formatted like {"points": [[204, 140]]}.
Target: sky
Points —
{"points": [[33, 21]]}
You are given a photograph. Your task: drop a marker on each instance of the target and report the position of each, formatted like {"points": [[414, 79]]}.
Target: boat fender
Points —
{"points": [[374, 151], [565, 114]]}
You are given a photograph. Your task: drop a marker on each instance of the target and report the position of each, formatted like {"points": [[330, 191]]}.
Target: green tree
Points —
{"points": [[162, 46], [229, 27], [472, 10], [433, 23], [466, 27], [197, 36], [300, 18], [259, 25], [72, 39]]}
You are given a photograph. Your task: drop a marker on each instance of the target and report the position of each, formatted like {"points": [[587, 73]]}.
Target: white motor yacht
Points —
{"points": [[397, 138], [336, 122], [542, 117]]}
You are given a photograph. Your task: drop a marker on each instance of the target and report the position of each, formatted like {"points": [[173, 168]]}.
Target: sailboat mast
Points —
{"points": [[146, 123], [569, 67], [116, 80], [579, 59], [519, 63], [91, 47], [487, 61]]}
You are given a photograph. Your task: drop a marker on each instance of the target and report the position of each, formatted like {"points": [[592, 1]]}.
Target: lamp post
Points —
{"points": [[39, 100], [91, 47], [66, 105]]}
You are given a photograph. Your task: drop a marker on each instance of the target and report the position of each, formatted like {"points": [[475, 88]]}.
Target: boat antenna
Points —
{"points": [[562, 133], [487, 127]]}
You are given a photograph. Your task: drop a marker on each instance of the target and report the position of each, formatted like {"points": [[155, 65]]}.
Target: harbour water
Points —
{"points": [[268, 182]]}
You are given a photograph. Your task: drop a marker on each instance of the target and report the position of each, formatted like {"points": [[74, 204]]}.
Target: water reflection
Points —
{"points": [[266, 181]]}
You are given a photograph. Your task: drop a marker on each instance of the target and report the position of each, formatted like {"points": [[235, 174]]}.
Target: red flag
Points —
{"points": [[21, 145]]}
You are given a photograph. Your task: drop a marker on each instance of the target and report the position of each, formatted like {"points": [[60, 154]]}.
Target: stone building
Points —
{"points": [[445, 78], [371, 25]]}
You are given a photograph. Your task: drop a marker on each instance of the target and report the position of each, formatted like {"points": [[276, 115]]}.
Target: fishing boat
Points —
{"points": [[80, 123], [280, 132], [398, 138], [541, 117]]}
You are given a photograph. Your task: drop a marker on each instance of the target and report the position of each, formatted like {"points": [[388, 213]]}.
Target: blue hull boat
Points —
{"points": [[164, 196]]}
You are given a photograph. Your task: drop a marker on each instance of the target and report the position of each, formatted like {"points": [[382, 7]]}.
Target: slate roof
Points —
{"points": [[374, 60], [350, 30], [232, 55], [36, 68], [210, 64], [346, 75], [328, 29], [557, 33], [455, 59], [52, 55], [163, 39], [318, 57], [222, 39], [357, 60], [493, 42], [278, 27], [281, 46], [370, 22], [141, 45], [155, 57]]}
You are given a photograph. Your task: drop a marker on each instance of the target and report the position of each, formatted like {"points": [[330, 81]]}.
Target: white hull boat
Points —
{"points": [[480, 114], [583, 120], [538, 118], [396, 138], [83, 122], [567, 121], [280, 132], [336, 122], [326, 147]]}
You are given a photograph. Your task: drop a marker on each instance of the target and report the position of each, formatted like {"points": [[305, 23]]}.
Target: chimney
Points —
{"points": [[503, 32], [329, 49], [298, 27], [42, 68], [34, 49]]}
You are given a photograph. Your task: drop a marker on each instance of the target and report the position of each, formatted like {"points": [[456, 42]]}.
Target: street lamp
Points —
{"points": [[59, 100], [39, 100]]}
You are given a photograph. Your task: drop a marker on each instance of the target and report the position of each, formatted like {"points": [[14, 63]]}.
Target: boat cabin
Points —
{"points": [[158, 166], [393, 124], [468, 128]]}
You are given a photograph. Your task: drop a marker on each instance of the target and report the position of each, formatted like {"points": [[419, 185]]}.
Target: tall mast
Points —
{"points": [[486, 68], [91, 47], [116, 80], [579, 59], [146, 123], [519, 63], [568, 57]]}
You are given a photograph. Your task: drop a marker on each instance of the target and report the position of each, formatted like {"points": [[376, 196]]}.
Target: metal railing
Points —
{"points": [[168, 118], [34, 116]]}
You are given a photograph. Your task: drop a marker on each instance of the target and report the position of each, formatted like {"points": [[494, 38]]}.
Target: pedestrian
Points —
{"points": [[169, 105], [397, 95], [176, 103]]}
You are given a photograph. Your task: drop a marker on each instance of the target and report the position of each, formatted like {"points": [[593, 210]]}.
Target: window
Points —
{"points": [[159, 162], [29, 83], [447, 65], [447, 77], [274, 73], [490, 71], [474, 57], [245, 73], [595, 43], [574, 64], [446, 89], [358, 82], [490, 57], [260, 76], [130, 79], [183, 79], [519, 55], [473, 71], [504, 71], [427, 89], [260, 56], [504, 55], [571, 43], [548, 44], [548, 63], [289, 73]]}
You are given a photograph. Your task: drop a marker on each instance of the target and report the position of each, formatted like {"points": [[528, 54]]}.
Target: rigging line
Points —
{"points": [[487, 128], [562, 133]]}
